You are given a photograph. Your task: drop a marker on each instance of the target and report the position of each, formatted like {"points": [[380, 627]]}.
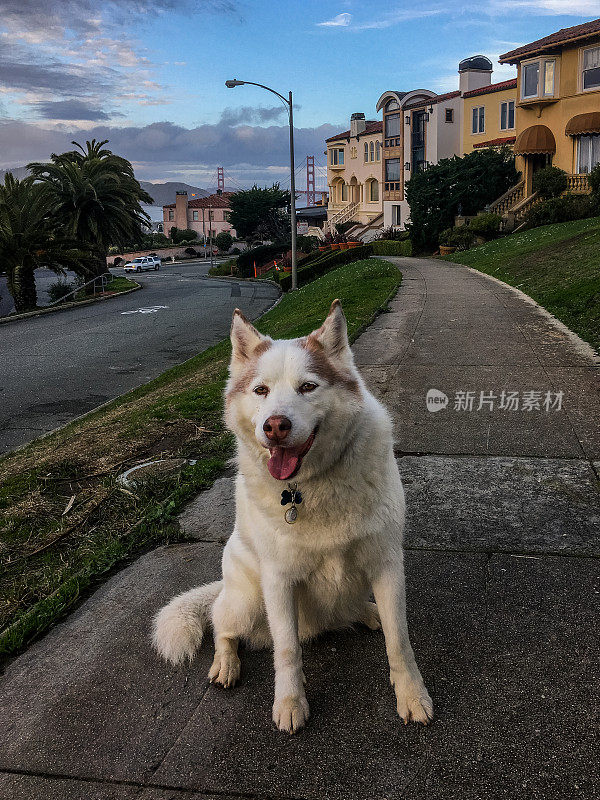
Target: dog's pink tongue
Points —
{"points": [[283, 462]]}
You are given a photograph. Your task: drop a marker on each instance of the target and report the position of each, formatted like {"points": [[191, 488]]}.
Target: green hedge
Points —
{"points": [[391, 247], [328, 261]]}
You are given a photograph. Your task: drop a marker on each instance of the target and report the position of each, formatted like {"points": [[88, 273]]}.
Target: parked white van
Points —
{"points": [[141, 263]]}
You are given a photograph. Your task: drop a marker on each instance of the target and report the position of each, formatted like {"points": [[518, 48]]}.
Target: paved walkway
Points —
{"points": [[503, 584]]}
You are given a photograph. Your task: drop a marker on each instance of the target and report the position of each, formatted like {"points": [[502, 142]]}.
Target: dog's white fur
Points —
{"points": [[282, 583]]}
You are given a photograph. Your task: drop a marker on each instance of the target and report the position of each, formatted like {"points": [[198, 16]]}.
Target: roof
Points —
{"points": [[312, 212], [372, 126], [493, 87], [212, 201], [496, 142], [561, 37], [431, 101]]}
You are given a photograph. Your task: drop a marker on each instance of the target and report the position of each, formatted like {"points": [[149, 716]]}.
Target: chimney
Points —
{"points": [[357, 124], [474, 73], [181, 210]]}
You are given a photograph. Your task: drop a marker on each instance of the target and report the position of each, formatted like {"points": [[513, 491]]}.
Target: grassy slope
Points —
{"points": [[557, 265], [49, 558]]}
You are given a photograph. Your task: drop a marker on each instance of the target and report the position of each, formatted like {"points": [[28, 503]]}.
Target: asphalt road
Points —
{"points": [[55, 367]]}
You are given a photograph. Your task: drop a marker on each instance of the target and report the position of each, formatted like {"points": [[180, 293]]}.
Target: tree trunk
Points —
{"points": [[21, 284], [98, 267]]}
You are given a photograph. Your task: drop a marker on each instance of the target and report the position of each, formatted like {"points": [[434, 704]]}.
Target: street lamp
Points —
{"points": [[288, 102]]}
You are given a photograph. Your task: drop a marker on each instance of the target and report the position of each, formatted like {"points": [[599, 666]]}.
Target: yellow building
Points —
{"points": [[489, 116], [558, 110], [354, 176]]}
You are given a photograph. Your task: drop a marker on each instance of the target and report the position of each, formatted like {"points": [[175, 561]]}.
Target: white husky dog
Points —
{"points": [[303, 560]]}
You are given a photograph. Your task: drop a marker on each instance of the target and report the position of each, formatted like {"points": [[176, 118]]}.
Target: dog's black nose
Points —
{"points": [[277, 428]]}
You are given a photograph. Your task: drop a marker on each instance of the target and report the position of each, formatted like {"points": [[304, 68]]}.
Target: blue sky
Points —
{"points": [[149, 74]]}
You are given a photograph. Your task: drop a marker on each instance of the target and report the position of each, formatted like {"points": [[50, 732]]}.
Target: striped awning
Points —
{"points": [[583, 123], [536, 139]]}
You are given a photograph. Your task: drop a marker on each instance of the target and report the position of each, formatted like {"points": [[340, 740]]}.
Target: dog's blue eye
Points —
{"points": [[262, 390], [307, 387]]}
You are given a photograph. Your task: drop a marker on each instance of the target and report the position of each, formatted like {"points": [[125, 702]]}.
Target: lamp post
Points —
{"points": [[288, 102]]}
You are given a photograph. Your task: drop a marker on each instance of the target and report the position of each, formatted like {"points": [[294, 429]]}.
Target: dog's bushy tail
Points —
{"points": [[179, 626]]}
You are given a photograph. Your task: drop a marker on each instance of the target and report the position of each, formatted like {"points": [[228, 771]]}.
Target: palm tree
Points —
{"points": [[28, 239], [95, 197]]}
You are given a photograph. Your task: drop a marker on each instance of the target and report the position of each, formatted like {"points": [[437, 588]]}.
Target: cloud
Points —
{"points": [[72, 110], [341, 21], [246, 114], [584, 8], [163, 147], [396, 17]]}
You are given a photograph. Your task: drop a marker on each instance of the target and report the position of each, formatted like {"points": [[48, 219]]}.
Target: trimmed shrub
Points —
{"points": [[392, 234], [385, 247], [327, 262], [59, 289], [117, 261], [224, 240], [594, 181], [261, 255], [462, 237], [550, 182], [562, 209], [486, 225], [190, 251]]}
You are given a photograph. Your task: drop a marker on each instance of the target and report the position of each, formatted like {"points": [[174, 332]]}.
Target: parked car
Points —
{"points": [[142, 263]]}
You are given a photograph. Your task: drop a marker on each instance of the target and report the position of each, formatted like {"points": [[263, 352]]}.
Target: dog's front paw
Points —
{"points": [[290, 713], [225, 670], [413, 701]]}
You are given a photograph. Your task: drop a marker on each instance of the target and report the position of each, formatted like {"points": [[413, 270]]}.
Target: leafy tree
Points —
{"points": [[469, 183], [94, 195], [179, 235], [224, 240], [29, 239], [259, 211]]}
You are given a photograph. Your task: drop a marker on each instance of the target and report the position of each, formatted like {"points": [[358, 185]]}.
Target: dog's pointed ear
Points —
{"points": [[245, 339], [333, 333]]}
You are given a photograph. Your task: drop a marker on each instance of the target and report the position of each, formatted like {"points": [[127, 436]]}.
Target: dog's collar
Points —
{"points": [[293, 496]]}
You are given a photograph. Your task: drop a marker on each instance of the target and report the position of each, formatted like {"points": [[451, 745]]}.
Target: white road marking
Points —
{"points": [[148, 310]]}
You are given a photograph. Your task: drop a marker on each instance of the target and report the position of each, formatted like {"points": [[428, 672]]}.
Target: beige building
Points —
{"points": [[354, 176], [208, 216], [557, 112]]}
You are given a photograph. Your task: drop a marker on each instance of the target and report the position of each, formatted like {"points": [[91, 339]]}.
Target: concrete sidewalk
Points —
{"points": [[503, 594]]}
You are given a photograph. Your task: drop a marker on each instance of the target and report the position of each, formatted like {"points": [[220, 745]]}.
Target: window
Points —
{"points": [[344, 192], [372, 151], [549, 78], [171, 215], [353, 152], [392, 125], [373, 191], [366, 152], [588, 152], [507, 115], [195, 216], [336, 157], [449, 115], [392, 105], [478, 121], [590, 78], [396, 218], [377, 151], [392, 169], [538, 79], [530, 80]]}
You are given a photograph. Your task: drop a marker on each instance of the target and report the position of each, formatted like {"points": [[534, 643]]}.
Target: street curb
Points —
{"points": [[66, 307]]}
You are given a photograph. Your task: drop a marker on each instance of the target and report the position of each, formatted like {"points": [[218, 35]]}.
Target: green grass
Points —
{"points": [[50, 558], [557, 265], [120, 285]]}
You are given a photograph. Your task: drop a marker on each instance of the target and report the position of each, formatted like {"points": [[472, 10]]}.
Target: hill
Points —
{"points": [[163, 193], [557, 265]]}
